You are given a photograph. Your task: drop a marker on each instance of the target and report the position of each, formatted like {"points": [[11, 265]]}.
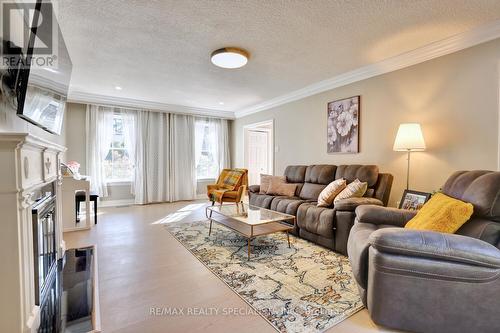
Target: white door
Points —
{"points": [[258, 158]]}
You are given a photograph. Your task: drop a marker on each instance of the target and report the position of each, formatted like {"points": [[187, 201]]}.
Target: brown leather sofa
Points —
{"points": [[423, 281], [328, 227]]}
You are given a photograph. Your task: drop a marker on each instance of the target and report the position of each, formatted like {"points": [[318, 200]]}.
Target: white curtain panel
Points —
{"points": [[182, 157], [218, 140], [129, 118], [223, 150], [99, 130], [152, 172]]}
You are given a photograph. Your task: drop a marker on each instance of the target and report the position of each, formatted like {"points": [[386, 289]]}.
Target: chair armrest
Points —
{"points": [[435, 245], [212, 187], [254, 188], [352, 203], [383, 215]]}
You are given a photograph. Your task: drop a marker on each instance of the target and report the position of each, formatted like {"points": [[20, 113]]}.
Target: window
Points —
{"points": [[117, 163], [207, 161]]}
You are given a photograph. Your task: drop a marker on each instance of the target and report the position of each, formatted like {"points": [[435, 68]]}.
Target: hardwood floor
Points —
{"points": [[142, 267]]}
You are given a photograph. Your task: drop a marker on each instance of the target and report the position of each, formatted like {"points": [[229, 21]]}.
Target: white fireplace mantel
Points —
{"points": [[26, 164]]}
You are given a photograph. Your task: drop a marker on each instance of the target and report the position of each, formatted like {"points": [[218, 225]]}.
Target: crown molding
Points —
{"points": [[434, 50], [89, 98]]}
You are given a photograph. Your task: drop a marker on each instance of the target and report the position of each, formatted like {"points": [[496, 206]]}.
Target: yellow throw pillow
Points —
{"points": [[329, 193], [442, 214]]}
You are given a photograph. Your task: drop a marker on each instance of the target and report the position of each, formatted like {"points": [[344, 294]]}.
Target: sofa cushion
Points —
{"points": [[351, 204], [480, 188], [287, 205], [365, 173], [486, 230], [320, 174], [316, 179], [280, 188], [295, 173], [260, 200], [311, 191], [316, 220]]}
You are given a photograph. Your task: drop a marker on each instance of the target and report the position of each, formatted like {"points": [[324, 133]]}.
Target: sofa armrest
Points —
{"points": [[254, 188], [435, 245], [383, 215], [352, 203]]}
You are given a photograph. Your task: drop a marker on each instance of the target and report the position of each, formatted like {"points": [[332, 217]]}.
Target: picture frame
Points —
{"points": [[413, 200], [343, 124]]}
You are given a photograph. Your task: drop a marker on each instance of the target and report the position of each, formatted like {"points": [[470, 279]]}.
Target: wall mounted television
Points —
{"points": [[44, 75]]}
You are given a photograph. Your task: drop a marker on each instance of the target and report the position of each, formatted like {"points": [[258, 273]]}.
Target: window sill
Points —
{"points": [[119, 182], [205, 180]]}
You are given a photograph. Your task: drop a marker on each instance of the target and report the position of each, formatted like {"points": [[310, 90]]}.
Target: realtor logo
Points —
{"points": [[29, 26]]}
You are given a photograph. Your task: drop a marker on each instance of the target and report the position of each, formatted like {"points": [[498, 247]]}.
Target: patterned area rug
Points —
{"points": [[305, 288]]}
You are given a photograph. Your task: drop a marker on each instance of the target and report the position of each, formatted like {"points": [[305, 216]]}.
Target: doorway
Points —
{"points": [[259, 150]]}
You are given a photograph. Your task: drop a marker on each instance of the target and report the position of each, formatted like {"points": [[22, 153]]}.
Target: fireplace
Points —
{"points": [[44, 241], [31, 236]]}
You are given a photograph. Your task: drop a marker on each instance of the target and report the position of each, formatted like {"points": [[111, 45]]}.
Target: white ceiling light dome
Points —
{"points": [[229, 57]]}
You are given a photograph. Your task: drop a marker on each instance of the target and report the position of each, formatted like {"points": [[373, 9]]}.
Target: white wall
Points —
{"points": [[454, 97], [10, 122]]}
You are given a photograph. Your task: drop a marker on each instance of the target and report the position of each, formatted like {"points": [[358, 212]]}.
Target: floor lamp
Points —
{"points": [[408, 139]]}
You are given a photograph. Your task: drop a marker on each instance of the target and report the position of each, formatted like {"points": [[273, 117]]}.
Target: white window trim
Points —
{"points": [[119, 182]]}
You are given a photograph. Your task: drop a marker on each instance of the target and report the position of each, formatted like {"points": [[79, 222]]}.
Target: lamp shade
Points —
{"points": [[409, 137]]}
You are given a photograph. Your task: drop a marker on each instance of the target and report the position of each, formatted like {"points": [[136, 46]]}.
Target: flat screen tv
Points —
{"points": [[45, 74]]}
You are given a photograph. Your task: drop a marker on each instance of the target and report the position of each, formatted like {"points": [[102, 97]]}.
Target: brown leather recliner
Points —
{"points": [[425, 281], [327, 226]]}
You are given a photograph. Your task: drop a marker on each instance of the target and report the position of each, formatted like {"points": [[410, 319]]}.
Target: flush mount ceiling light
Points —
{"points": [[229, 57]]}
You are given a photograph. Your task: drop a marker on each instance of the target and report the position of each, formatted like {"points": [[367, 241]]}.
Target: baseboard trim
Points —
{"points": [[115, 203]]}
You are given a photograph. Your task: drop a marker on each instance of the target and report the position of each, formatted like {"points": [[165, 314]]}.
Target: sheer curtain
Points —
{"points": [[223, 151], [129, 118], [217, 139], [162, 148], [152, 172], [183, 167], [99, 136]]}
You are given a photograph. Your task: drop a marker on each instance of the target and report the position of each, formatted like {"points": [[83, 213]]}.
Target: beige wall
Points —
{"points": [[454, 97]]}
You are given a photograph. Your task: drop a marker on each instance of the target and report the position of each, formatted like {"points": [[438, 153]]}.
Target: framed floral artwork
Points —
{"points": [[343, 125]]}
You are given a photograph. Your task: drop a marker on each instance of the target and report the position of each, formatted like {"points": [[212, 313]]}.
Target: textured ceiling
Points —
{"points": [[159, 51]]}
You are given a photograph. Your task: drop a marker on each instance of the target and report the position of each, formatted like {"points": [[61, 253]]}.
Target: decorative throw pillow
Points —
{"points": [[265, 181], [442, 214], [277, 187], [325, 198], [355, 189]]}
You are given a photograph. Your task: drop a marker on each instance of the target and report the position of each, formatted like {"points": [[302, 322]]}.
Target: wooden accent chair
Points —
{"points": [[230, 187]]}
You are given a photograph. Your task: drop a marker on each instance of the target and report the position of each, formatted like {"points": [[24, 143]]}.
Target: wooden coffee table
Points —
{"points": [[250, 221]]}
